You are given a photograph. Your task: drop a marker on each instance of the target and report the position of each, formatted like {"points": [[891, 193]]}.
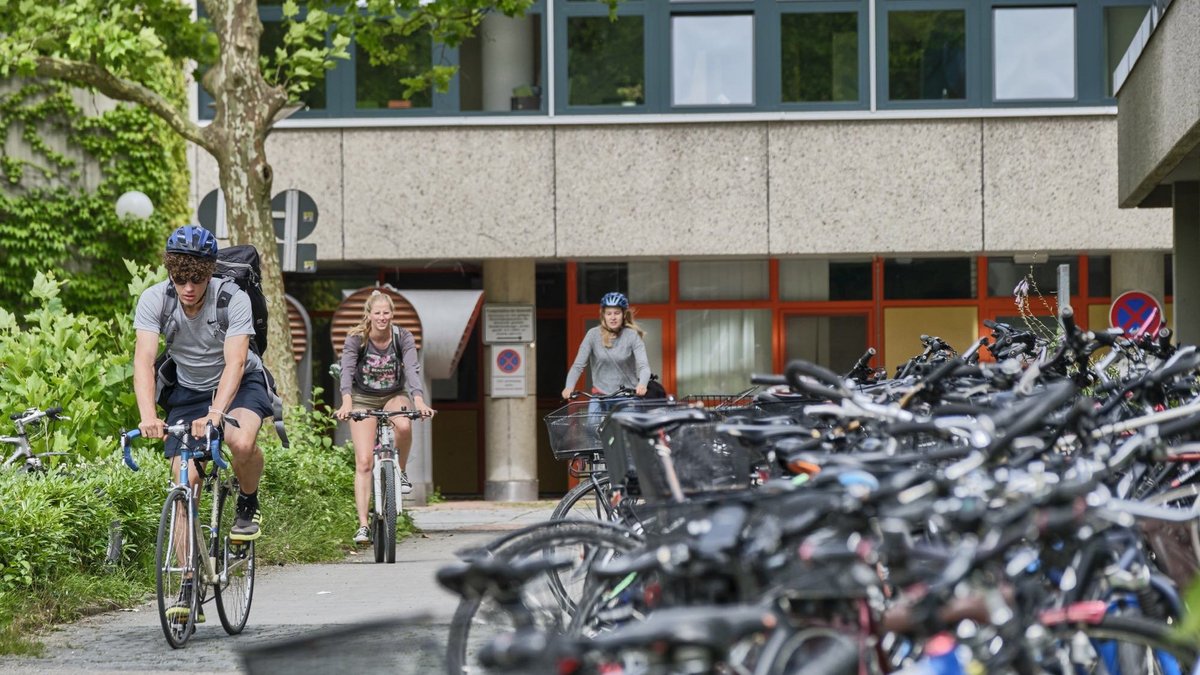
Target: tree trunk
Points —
{"points": [[245, 107]]}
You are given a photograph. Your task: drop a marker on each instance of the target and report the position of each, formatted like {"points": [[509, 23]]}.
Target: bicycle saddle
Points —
{"points": [[647, 423]]}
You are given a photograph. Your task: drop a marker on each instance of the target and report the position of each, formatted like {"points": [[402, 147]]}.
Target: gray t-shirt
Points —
{"points": [[624, 364], [198, 347]]}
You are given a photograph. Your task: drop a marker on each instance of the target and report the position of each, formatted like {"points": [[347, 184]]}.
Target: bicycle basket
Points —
{"points": [[572, 429], [703, 460], [613, 443]]}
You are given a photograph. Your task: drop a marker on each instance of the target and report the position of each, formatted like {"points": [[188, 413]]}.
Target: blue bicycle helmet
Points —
{"points": [[615, 299], [193, 240]]}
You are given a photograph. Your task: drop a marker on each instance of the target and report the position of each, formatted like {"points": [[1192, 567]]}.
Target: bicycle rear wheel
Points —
{"points": [[387, 480], [234, 561], [176, 559]]}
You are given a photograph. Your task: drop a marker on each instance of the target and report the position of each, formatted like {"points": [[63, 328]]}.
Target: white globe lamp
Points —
{"points": [[134, 205]]}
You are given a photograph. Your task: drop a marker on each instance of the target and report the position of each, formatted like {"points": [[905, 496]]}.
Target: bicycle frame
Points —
{"points": [[208, 571], [385, 459]]}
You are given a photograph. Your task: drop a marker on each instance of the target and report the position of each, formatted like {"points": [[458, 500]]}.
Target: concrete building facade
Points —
{"points": [[766, 179]]}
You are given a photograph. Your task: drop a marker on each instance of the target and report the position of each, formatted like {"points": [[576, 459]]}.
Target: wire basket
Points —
{"points": [[703, 460], [572, 429], [742, 399], [398, 646]]}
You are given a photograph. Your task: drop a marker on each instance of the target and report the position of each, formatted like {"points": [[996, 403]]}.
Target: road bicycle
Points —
{"points": [[387, 498], [23, 458], [191, 556]]}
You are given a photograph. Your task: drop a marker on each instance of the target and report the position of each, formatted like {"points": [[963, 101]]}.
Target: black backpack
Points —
{"points": [[239, 265]]}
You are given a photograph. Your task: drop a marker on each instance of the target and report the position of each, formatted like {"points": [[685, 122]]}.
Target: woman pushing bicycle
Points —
{"points": [[379, 363], [613, 351]]}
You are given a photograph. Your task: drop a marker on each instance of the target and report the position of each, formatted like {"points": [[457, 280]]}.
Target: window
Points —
{"points": [[1120, 25], [929, 279], [1099, 276], [718, 350], [801, 280], [926, 55], [835, 342], [500, 68], [1003, 275], [724, 280], [272, 39], [819, 57], [605, 61], [377, 85], [643, 282], [712, 59], [1034, 53]]}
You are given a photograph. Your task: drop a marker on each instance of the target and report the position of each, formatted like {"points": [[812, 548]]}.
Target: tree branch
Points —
{"points": [[78, 72]]}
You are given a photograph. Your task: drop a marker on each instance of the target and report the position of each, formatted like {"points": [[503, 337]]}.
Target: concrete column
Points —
{"points": [[511, 427], [507, 45], [1137, 271], [1186, 212]]}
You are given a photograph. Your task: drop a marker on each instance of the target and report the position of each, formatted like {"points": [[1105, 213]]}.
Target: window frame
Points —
{"points": [[775, 24]]}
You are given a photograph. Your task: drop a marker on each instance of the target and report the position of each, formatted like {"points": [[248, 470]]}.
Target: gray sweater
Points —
{"points": [[622, 364]]}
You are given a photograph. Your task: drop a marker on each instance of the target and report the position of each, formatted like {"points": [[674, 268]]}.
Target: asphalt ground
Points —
{"points": [[353, 616]]}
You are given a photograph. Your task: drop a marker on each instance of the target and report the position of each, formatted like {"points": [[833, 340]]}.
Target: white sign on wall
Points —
{"points": [[508, 371], [508, 324]]}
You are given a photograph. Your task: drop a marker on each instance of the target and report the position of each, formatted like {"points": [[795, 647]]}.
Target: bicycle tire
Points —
{"points": [[593, 497], [170, 572], [460, 648], [235, 565], [1135, 635], [377, 536], [387, 478]]}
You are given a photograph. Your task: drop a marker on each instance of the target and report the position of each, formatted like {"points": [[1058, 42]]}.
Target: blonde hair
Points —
{"points": [[365, 325], [627, 321]]}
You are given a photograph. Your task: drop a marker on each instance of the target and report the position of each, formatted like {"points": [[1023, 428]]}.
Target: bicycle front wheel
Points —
{"points": [[176, 560], [387, 479], [234, 561], [552, 598], [589, 500]]}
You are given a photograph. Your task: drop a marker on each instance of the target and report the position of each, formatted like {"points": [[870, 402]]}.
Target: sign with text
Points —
{"points": [[508, 324], [508, 372]]}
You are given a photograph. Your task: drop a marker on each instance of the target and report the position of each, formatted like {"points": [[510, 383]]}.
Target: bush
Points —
{"points": [[54, 527]]}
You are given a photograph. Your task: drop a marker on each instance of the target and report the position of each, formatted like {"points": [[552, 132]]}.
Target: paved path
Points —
{"points": [[306, 601]]}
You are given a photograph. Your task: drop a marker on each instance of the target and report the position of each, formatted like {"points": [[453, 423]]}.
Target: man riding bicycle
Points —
{"points": [[216, 372]]}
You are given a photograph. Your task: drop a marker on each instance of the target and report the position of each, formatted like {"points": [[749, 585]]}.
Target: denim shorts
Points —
{"points": [[187, 405]]}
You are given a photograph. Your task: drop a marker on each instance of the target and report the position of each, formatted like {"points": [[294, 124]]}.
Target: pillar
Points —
{"points": [[1137, 271], [1186, 219], [507, 56], [511, 423]]}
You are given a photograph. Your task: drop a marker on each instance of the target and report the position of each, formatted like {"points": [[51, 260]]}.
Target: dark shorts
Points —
{"points": [[189, 404]]}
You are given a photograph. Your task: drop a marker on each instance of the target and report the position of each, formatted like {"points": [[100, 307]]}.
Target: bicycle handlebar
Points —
{"points": [[623, 392], [359, 415], [177, 430]]}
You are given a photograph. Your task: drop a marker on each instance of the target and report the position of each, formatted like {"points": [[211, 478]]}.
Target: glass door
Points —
{"points": [[835, 341]]}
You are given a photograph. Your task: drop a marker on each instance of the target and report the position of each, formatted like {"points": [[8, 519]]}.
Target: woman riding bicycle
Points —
{"points": [[379, 362], [613, 351]]}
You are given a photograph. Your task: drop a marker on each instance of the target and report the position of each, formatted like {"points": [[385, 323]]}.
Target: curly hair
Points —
{"points": [[183, 266]]}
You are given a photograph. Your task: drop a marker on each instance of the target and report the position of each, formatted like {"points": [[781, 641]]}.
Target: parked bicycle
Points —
{"points": [[23, 458], [387, 500], [191, 557]]}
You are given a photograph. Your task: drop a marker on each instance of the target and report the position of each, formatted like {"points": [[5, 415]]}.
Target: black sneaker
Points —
{"points": [[246, 524], [183, 606]]}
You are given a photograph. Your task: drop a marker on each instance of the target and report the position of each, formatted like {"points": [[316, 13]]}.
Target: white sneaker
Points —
{"points": [[363, 535], [405, 485]]}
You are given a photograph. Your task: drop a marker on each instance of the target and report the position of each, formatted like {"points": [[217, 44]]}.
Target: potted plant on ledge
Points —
{"points": [[527, 97]]}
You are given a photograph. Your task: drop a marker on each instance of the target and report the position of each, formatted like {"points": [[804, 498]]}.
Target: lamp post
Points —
{"points": [[134, 205]]}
